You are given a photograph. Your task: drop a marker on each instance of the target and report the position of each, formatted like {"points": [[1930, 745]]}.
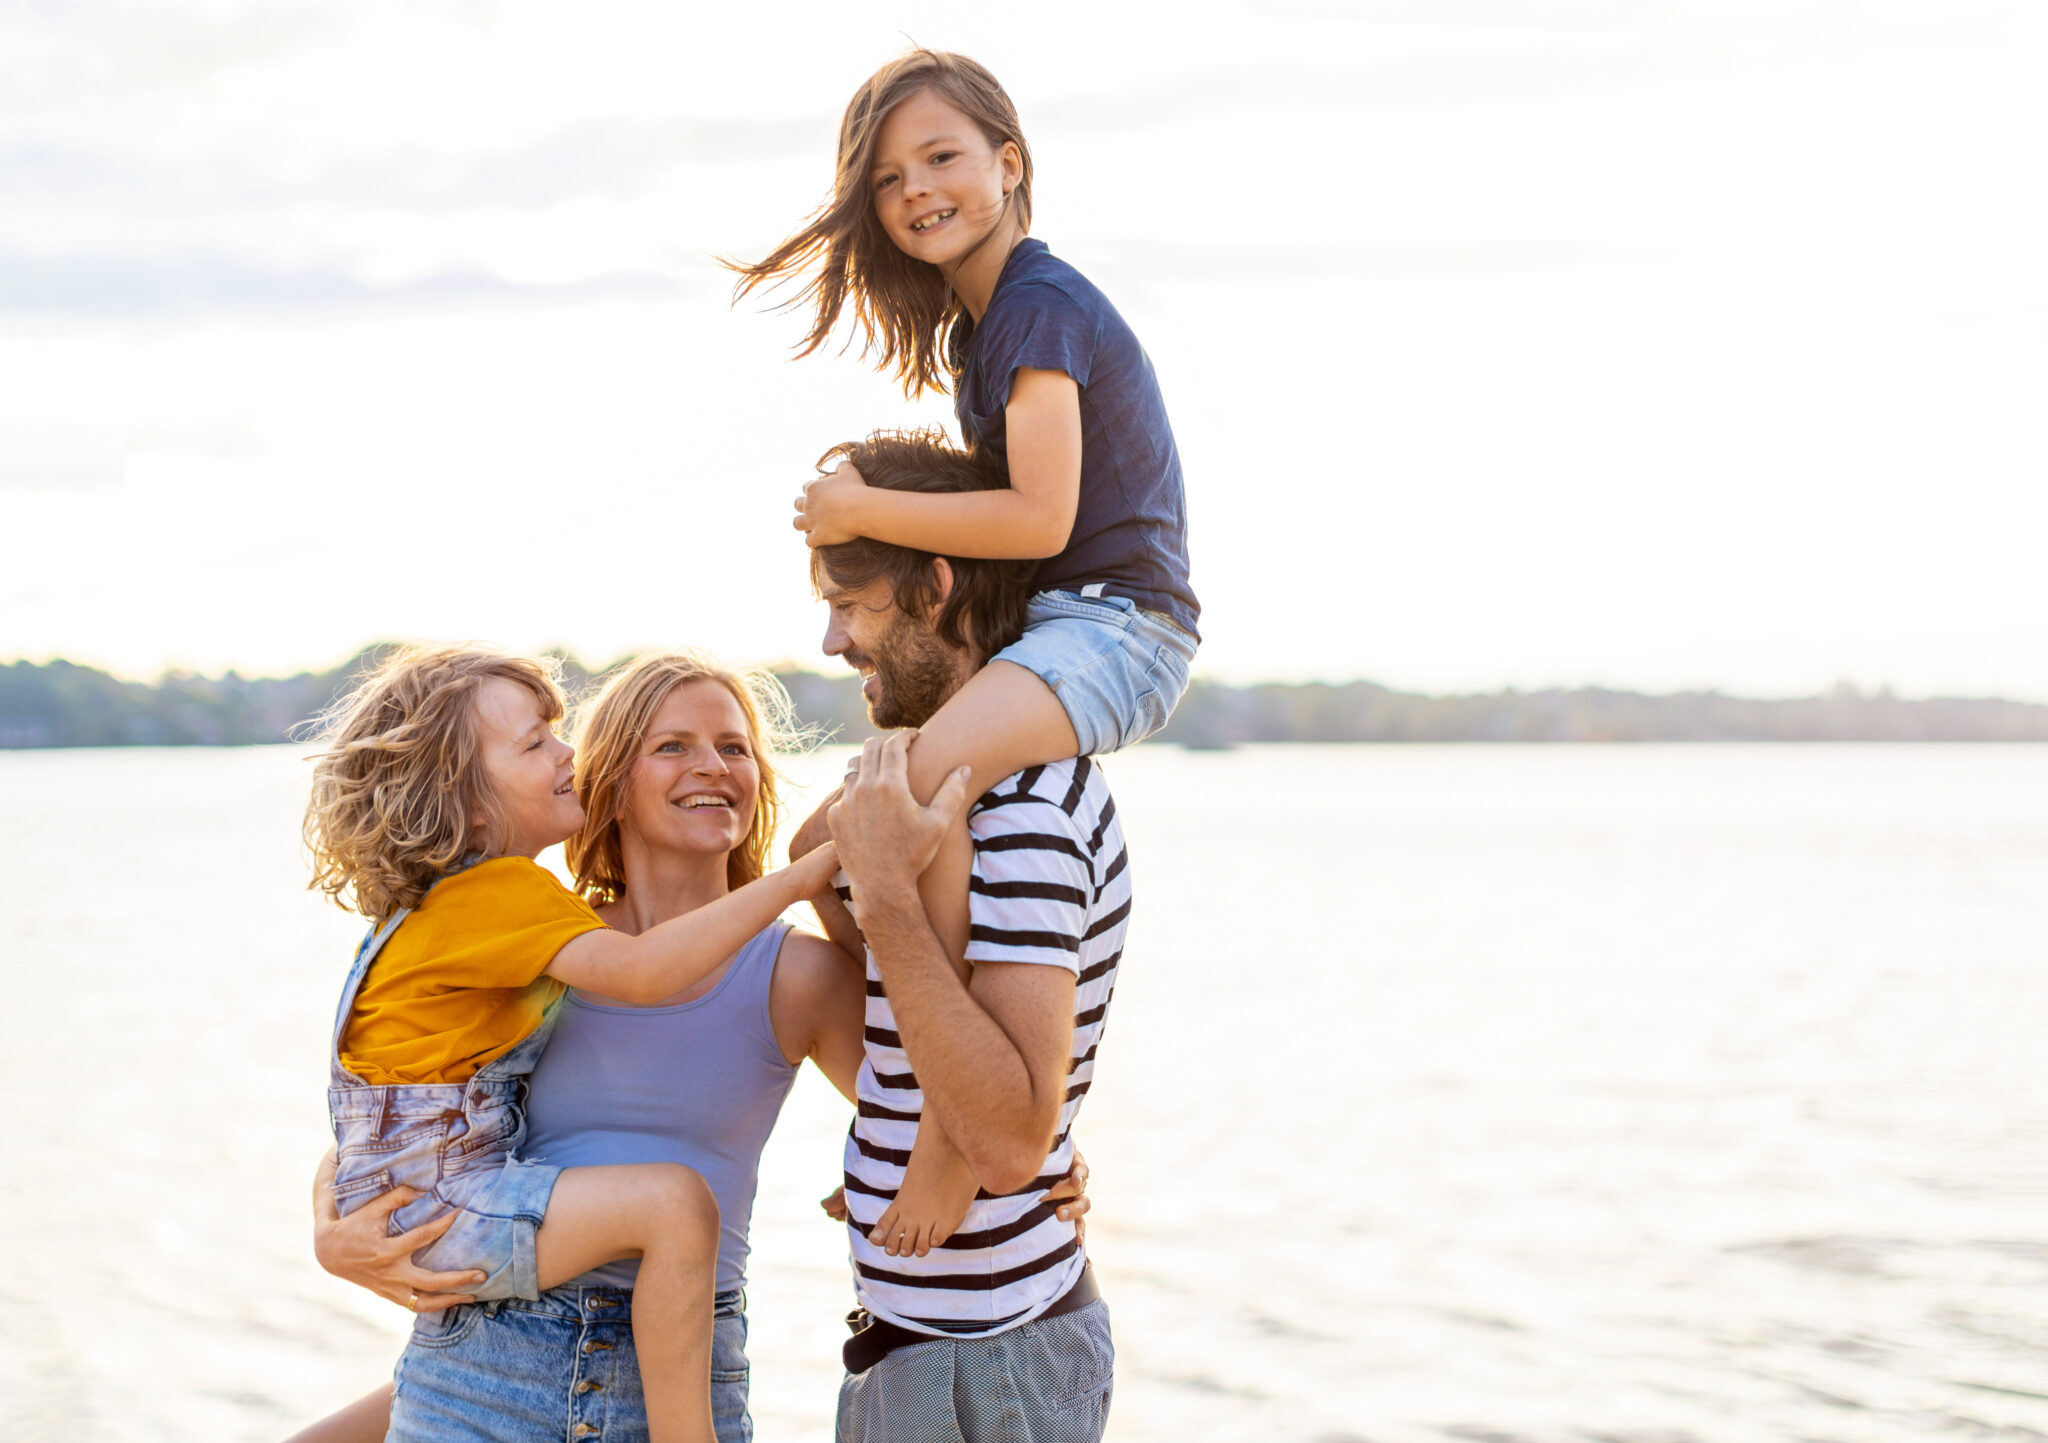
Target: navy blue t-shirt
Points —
{"points": [[1131, 529]]}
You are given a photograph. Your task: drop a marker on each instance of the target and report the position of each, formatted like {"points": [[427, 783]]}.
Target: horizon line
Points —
{"points": [[1841, 689]]}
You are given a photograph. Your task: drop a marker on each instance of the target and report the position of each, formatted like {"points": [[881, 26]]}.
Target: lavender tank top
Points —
{"points": [[700, 1083]]}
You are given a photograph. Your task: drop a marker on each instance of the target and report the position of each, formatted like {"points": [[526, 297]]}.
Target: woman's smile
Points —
{"points": [[703, 801]]}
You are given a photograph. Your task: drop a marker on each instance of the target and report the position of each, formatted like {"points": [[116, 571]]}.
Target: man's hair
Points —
{"points": [[902, 306], [985, 609]]}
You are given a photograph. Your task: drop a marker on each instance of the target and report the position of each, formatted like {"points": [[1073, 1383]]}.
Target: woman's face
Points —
{"points": [[693, 786]]}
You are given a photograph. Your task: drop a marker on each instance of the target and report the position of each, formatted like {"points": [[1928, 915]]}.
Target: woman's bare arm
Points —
{"points": [[663, 960], [817, 1001]]}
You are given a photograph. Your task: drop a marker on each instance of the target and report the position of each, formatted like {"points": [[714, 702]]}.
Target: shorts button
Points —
{"points": [[584, 1430], [588, 1386], [594, 1346]]}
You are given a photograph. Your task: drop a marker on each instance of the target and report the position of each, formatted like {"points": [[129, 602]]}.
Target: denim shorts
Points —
{"points": [[559, 1366], [1118, 671], [1044, 1382]]}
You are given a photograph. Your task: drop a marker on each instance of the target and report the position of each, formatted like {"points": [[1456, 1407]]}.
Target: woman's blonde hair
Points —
{"points": [[401, 784], [611, 728], [902, 306]]}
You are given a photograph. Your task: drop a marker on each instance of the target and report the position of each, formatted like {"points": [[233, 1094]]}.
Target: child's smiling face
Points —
{"points": [[938, 183], [532, 770]]}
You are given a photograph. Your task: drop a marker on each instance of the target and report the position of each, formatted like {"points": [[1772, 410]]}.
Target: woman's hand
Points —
{"points": [[826, 512], [834, 1204], [812, 871], [358, 1249], [1074, 1188]]}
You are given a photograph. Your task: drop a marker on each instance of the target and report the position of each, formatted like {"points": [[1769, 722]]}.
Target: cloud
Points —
{"points": [[114, 287], [605, 156], [46, 456], [602, 157], [1194, 260]]}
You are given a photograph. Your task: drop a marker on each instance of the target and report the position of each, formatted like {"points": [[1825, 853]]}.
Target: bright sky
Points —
{"points": [[1521, 342]]}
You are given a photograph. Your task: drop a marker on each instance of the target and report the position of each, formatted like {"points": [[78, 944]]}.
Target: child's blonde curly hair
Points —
{"points": [[400, 789]]}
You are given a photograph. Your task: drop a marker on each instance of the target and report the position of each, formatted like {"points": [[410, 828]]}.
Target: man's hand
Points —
{"points": [[1071, 1192], [359, 1250], [885, 838], [826, 511]]}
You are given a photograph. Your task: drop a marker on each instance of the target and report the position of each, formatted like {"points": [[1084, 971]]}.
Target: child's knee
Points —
{"points": [[680, 1198]]}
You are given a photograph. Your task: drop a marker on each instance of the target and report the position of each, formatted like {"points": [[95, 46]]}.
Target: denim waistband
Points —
{"points": [[420, 1099], [605, 1304]]}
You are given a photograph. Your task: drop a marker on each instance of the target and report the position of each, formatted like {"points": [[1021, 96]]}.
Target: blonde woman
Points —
{"points": [[675, 775]]}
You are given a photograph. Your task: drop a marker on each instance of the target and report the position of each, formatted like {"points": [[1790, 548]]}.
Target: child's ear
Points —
{"points": [[1012, 162]]}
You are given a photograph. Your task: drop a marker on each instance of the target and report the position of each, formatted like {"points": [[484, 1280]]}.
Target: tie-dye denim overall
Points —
{"points": [[456, 1142]]}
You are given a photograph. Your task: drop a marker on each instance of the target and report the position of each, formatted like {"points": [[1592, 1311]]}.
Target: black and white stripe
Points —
{"points": [[1052, 887]]}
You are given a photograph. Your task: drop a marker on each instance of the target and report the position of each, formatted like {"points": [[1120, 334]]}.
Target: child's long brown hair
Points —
{"points": [[902, 307]]}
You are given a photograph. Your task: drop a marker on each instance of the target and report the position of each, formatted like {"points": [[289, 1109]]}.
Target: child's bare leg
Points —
{"points": [[666, 1216], [1003, 720]]}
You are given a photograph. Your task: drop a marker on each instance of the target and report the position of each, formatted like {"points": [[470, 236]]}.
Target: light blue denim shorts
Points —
{"points": [[559, 1366], [1118, 671], [399, 1135]]}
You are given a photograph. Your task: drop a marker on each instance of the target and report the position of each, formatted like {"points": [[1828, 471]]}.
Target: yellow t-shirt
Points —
{"points": [[463, 979]]}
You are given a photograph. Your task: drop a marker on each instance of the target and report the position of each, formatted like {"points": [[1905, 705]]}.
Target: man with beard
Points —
{"points": [[1002, 1059]]}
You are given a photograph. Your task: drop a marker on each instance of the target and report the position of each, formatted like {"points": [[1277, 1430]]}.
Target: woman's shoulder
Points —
{"points": [[810, 971], [806, 956], [814, 984]]}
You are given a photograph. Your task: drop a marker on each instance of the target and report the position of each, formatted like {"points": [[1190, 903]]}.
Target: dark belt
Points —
{"points": [[876, 1338]]}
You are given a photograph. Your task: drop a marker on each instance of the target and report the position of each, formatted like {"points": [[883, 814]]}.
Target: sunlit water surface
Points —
{"points": [[1650, 1093]]}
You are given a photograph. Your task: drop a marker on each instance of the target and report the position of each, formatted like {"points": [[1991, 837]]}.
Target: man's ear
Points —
{"points": [[942, 588]]}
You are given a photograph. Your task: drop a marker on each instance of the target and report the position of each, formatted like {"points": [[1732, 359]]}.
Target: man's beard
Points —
{"points": [[914, 674]]}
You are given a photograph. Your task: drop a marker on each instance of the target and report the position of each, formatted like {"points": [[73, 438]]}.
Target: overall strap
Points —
{"points": [[519, 1059], [372, 944], [367, 953]]}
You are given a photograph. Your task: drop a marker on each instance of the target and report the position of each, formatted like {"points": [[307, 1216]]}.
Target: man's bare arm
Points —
{"points": [[991, 1055]]}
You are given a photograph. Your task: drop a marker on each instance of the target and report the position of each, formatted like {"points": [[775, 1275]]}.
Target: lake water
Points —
{"points": [[1483, 1093]]}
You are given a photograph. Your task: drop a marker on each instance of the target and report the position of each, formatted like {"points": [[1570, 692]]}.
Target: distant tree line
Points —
{"points": [[63, 705]]}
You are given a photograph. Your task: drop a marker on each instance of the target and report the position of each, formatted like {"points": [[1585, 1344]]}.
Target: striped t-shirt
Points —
{"points": [[1051, 886]]}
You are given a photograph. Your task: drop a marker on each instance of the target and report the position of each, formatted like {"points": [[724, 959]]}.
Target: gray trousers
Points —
{"points": [[1045, 1382]]}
